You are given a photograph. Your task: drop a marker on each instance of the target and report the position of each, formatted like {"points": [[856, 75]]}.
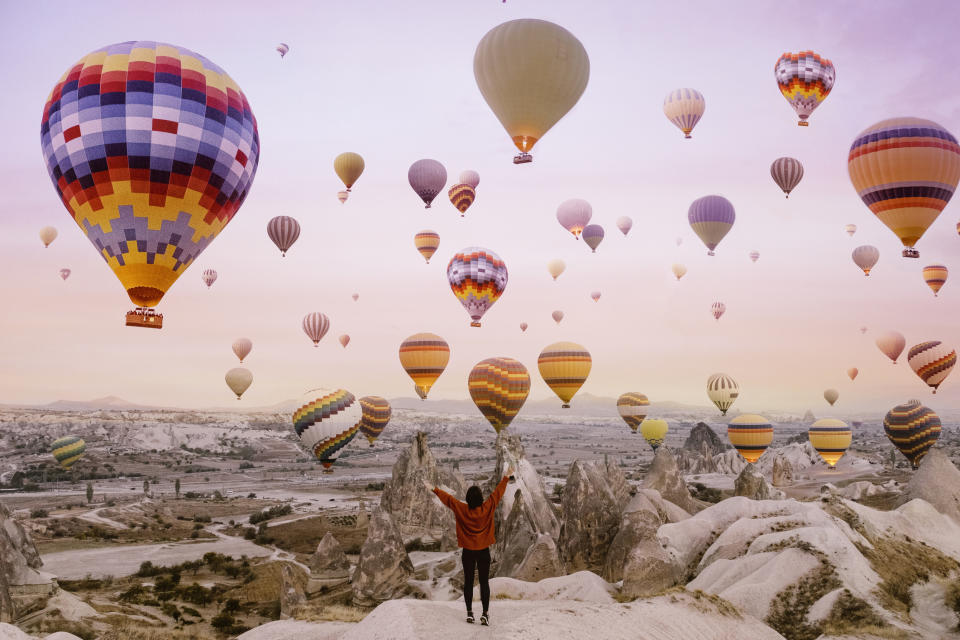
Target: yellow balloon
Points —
{"points": [[556, 267], [831, 438], [750, 435], [654, 431], [424, 356], [348, 166], [564, 366]]}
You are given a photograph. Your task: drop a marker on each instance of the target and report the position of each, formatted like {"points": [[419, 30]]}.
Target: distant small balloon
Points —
{"points": [[209, 277], [787, 173], [831, 395], [556, 267], [283, 49], [866, 257], [684, 108], [284, 231], [64, 274], [239, 380], [461, 197], [711, 218], [679, 241], [316, 325], [851, 229], [891, 343], [831, 438], [863, 329], [344, 340], [624, 223], [241, 348], [47, 235], [935, 275], [718, 309], [678, 270], [523, 326], [852, 372], [355, 297], [593, 236], [427, 242], [754, 256], [427, 178], [557, 316], [342, 196], [595, 295], [573, 215], [469, 177]]}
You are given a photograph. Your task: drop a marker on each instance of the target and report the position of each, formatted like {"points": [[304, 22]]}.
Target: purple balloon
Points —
{"points": [[711, 217]]}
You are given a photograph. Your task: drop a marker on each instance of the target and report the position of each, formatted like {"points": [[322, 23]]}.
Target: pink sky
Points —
{"points": [[394, 82]]}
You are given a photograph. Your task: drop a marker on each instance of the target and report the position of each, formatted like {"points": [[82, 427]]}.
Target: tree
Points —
{"points": [[89, 492], [146, 487], [176, 487]]}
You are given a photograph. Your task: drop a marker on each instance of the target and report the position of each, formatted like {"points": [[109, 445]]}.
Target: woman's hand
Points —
{"points": [[429, 485], [510, 471]]}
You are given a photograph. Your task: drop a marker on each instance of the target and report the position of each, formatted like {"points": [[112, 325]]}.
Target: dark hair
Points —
{"points": [[474, 497]]}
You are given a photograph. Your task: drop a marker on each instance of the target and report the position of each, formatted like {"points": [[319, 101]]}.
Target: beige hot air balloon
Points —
{"points": [[891, 343], [349, 166], [239, 380], [47, 235], [557, 316], [853, 372], [531, 73], [831, 395], [242, 347], [679, 270], [556, 267]]}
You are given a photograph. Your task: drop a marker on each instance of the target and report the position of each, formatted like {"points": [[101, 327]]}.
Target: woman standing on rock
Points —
{"points": [[475, 535]]}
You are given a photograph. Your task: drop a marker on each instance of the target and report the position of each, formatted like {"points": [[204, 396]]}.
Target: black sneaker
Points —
{"points": [[484, 619], [470, 617]]}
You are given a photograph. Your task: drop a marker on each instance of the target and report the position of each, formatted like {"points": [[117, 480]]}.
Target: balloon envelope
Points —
{"points": [[850, 229], [65, 273], [242, 348], [722, 391], [469, 177], [831, 438], [349, 167], [316, 325], [283, 49], [805, 80], [239, 380], [461, 197], [891, 343], [787, 173], [326, 422], [556, 267], [684, 108], [678, 270], [913, 429], [557, 316], [654, 432], [283, 231], [592, 235], [935, 275], [68, 450], [424, 356], [573, 215], [852, 372], [48, 235], [427, 242], [831, 395], [523, 326], [754, 256], [750, 434], [595, 295], [344, 340], [427, 178], [711, 218], [932, 361], [866, 257], [209, 277], [375, 415], [718, 309], [499, 387], [624, 223], [632, 407], [564, 366], [477, 277]]}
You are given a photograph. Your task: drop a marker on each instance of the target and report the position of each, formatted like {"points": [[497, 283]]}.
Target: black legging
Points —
{"points": [[481, 560]]}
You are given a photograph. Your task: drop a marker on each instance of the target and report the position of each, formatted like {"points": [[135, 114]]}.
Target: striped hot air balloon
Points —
{"points": [[684, 108], [932, 361], [805, 80], [831, 438], [754, 256], [913, 429], [67, 450], [523, 326], [499, 387], [935, 275], [209, 277], [750, 435], [326, 422], [284, 231], [461, 197], [424, 356], [718, 309], [343, 196], [722, 391], [654, 432], [564, 366], [592, 235], [242, 347], [427, 242], [787, 173], [316, 325], [477, 277], [376, 412], [850, 229], [632, 407], [65, 273], [711, 218]]}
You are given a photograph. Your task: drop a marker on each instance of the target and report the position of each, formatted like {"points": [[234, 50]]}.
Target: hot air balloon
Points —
{"points": [[913, 429], [679, 241], [624, 223], [678, 270], [65, 273], [684, 108], [461, 197], [932, 361], [654, 432], [424, 356], [750, 435], [427, 177], [805, 80], [284, 231], [531, 73], [850, 229], [754, 256], [863, 329], [718, 309], [711, 217], [935, 275], [831, 395], [632, 407], [375, 414], [499, 387], [239, 380], [831, 438], [564, 366], [68, 450], [722, 391], [787, 173], [573, 215], [349, 167], [477, 277], [209, 277], [316, 325], [891, 344], [593, 236], [427, 242], [556, 267], [162, 158], [595, 295], [327, 423], [866, 257], [905, 170], [470, 178], [557, 316], [853, 372], [342, 196], [282, 49], [355, 296], [523, 326], [48, 235], [241, 348], [344, 340]]}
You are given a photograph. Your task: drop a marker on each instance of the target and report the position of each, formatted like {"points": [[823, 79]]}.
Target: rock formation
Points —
{"points": [[416, 512], [292, 592], [782, 471], [641, 519], [938, 482], [591, 517], [20, 582], [751, 484], [704, 440], [664, 476], [384, 565], [329, 564]]}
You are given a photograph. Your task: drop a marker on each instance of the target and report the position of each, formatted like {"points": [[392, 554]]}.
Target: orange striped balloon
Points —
{"points": [[632, 407], [831, 438], [376, 413], [499, 387], [424, 356], [462, 196], [935, 275], [750, 435], [932, 361], [427, 242], [564, 366]]}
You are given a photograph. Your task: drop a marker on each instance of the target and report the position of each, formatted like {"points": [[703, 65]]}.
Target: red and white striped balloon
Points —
{"points": [[284, 231], [718, 309], [316, 325]]}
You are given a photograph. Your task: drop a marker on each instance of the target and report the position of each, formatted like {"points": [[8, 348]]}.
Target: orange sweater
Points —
{"points": [[474, 526]]}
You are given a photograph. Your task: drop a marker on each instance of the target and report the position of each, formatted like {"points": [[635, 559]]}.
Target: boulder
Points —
{"points": [[20, 582], [704, 440], [664, 476], [384, 565], [782, 471], [328, 564], [591, 517], [938, 482], [751, 484]]}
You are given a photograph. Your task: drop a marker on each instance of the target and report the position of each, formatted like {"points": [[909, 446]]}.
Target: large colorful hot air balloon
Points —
{"points": [[573, 215], [48, 235], [523, 326], [376, 412], [684, 108], [831, 438], [905, 170], [152, 149], [283, 231], [722, 391], [283, 48], [750, 435], [891, 343], [787, 173], [344, 340], [865, 257], [654, 432], [349, 167], [427, 177], [592, 236], [624, 223], [564, 366], [632, 407], [65, 273], [754, 256], [805, 80], [316, 325], [557, 316], [477, 277], [935, 275], [470, 178], [678, 270], [424, 356], [853, 372], [711, 218], [913, 429], [718, 309], [242, 348], [68, 450], [461, 197], [531, 73], [556, 267], [427, 242], [831, 395], [209, 277], [932, 361], [850, 229], [239, 380], [327, 423], [499, 387], [595, 295]]}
